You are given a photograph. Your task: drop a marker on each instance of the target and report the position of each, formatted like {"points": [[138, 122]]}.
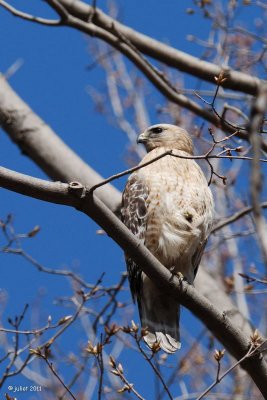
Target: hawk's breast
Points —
{"points": [[177, 220]]}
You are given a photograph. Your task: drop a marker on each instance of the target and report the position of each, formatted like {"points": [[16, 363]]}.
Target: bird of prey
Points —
{"points": [[169, 207]]}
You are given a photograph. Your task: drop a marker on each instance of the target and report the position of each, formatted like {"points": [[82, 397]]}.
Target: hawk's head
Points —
{"points": [[166, 135]]}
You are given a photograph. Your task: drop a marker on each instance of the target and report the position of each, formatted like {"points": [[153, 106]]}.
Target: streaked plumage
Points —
{"points": [[169, 207]]}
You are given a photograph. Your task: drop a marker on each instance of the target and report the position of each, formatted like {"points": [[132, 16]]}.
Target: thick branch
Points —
{"points": [[164, 53], [38, 141], [76, 196], [116, 39]]}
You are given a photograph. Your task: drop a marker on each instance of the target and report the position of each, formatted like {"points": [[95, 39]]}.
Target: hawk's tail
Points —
{"points": [[159, 314]]}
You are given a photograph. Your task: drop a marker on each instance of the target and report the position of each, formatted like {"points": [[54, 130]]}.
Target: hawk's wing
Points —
{"points": [[134, 216], [198, 255]]}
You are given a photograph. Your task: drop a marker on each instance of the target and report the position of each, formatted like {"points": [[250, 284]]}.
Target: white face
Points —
{"points": [[166, 135]]}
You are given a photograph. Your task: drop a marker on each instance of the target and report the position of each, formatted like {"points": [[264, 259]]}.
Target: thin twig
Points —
{"points": [[51, 271], [99, 358], [252, 279], [29, 17], [29, 332], [149, 360], [118, 371], [236, 217], [16, 324], [128, 171], [111, 299], [219, 378], [52, 369], [206, 157]]}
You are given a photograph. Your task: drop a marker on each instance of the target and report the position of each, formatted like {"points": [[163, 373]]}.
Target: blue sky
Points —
{"points": [[53, 80]]}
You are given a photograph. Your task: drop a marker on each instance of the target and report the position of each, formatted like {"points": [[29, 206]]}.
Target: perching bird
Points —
{"points": [[169, 207]]}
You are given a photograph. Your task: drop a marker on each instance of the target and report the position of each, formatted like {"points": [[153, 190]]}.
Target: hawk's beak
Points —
{"points": [[142, 138]]}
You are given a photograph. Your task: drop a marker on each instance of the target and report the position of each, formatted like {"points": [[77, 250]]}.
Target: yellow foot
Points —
{"points": [[178, 274], [180, 277]]}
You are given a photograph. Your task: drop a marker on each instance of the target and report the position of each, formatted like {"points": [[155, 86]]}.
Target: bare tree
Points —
{"points": [[226, 116]]}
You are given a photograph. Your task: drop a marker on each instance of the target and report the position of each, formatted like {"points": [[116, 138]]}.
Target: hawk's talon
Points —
{"points": [[178, 274]]}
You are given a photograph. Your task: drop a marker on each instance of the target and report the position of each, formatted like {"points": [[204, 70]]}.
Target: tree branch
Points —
{"points": [[256, 121], [38, 141], [117, 39], [235, 217], [251, 351], [170, 56], [28, 17], [75, 195]]}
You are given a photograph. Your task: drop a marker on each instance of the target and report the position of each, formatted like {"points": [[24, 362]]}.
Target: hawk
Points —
{"points": [[169, 207]]}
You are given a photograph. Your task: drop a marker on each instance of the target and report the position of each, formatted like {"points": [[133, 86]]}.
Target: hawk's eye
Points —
{"points": [[156, 130]]}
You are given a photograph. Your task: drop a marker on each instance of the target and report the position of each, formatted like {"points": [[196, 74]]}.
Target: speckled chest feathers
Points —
{"points": [[168, 205]]}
